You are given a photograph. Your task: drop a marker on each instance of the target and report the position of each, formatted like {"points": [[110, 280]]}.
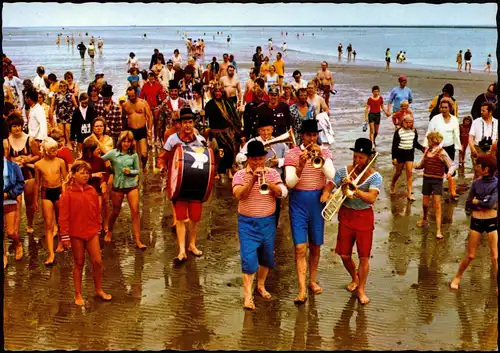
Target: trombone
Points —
{"points": [[338, 197], [317, 160]]}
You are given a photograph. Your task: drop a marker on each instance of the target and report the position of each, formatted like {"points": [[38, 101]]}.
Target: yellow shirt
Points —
{"points": [[280, 67], [434, 102], [264, 69]]}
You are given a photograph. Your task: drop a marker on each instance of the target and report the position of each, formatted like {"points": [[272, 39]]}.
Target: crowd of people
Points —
{"points": [[48, 121]]}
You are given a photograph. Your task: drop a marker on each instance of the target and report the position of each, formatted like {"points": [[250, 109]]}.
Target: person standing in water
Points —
{"points": [[388, 59], [82, 49]]}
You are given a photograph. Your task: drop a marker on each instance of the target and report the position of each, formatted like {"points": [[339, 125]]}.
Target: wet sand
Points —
{"points": [[198, 305]]}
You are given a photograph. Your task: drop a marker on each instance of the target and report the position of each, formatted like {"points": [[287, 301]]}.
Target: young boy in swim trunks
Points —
{"points": [[49, 175]]}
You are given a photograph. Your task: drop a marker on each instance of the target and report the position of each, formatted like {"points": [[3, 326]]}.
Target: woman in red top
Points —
{"points": [[79, 224], [464, 136], [288, 97], [373, 108]]}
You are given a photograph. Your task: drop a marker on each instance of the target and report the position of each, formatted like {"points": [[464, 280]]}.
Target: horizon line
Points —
{"points": [[270, 26]]}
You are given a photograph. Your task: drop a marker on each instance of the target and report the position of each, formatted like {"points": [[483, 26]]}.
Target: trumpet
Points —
{"points": [[263, 186], [338, 197], [317, 160], [287, 137]]}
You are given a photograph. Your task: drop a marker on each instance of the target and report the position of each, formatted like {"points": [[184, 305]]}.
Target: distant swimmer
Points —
{"points": [[87, 34], [283, 48], [58, 40], [228, 40], [100, 44], [144, 36]]}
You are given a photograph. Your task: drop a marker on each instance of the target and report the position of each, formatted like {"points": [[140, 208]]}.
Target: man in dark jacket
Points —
{"points": [[278, 111], [154, 58], [81, 123], [489, 96]]}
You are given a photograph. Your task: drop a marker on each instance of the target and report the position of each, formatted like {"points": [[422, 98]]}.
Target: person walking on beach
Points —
{"points": [[487, 69], [459, 61], [436, 163], [349, 52], [339, 49], [80, 225], [132, 62], [373, 108], [324, 81], [257, 59], [482, 200], [399, 94], [388, 59], [489, 96], [467, 58], [91, 51], [100, 44], [279, 65], [448, 92]]}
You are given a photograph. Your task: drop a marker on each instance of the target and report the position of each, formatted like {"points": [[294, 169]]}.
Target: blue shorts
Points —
{"points": [[305, 217], [257, 236]]}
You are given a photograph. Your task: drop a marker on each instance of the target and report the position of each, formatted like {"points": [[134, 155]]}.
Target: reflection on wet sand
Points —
{"points": [[347, 338]]}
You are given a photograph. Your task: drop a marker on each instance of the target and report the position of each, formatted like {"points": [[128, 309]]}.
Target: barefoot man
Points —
{"points": [[185, 210], [309, 188], [325, 82], [49, 174], [140, 122], [351, 229], [256, 219], [232, 86]]}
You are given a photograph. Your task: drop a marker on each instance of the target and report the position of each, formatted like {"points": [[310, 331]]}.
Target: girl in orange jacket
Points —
{"points": [[79, 223]]}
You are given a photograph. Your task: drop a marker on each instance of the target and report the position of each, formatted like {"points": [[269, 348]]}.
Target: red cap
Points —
{"points": [[402, 78]]}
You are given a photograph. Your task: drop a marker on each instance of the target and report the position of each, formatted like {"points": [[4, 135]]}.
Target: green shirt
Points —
{"points": [[121, 161]]}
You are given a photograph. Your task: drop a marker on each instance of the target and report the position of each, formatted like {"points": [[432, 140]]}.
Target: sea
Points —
{"points": [[434, 48]]}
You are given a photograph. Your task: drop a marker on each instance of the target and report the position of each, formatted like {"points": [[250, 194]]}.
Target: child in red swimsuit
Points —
{"points": [[80, 224]]}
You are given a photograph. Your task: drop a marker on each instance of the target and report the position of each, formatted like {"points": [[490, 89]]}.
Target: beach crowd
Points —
{"points": [[78, 153]]}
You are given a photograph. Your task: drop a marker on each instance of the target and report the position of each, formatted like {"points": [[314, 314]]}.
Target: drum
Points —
{"points": [[191, 174]]}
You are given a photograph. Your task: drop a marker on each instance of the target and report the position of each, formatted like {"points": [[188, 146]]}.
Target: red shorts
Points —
{"points": [[351, 230], [188, 210]]}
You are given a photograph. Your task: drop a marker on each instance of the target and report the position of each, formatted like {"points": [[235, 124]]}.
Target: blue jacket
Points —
{"points": [[485, 190], [15, 187]]}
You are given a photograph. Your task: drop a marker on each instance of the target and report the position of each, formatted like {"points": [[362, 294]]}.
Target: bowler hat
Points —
{"points": [[107, 91], [186, 114], [256, 149], [363, 145], [309, 126]]}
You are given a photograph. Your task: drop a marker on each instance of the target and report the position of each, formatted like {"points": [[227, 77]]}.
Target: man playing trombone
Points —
{"points": [[361, 195], [256, 188], [275, 153], [309, 172]]}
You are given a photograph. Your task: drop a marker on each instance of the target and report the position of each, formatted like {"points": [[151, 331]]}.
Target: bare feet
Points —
{"points": [[108, 236], [455, 283], [411, 197], [264, 293], [351, 287], [140, 245], [315, 288], [104, 296], [422, 223], [393, 189], [30, 230], [59, 247], [249, 305], [194, 250], [363, 299], [50, 260], [181, 258], [300, 299], [79, 300], [5, 262], [19, 251], [439, 235]]}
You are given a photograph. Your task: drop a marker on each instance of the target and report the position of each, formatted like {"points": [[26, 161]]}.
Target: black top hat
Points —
{"points": [[186, 114], [107, 91], [256, 149], [173, 84], [309, 126], [198, 87], [264, 121], [363, 145]]}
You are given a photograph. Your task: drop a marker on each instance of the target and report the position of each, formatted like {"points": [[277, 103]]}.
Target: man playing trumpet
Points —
{"points": [[256, 188], [356, 219], [310, 186], [275, 157]]}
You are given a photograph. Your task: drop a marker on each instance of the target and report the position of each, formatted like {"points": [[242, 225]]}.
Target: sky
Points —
{"points": [[171, 14]]}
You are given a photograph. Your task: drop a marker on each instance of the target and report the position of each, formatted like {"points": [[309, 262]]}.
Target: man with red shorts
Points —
{"points": [[351, 229], [185, 210]]}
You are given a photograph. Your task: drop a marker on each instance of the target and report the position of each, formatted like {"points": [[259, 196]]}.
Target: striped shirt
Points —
{"points": [[406, 137], [373, 182], [311, 178], [255, 204]]}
